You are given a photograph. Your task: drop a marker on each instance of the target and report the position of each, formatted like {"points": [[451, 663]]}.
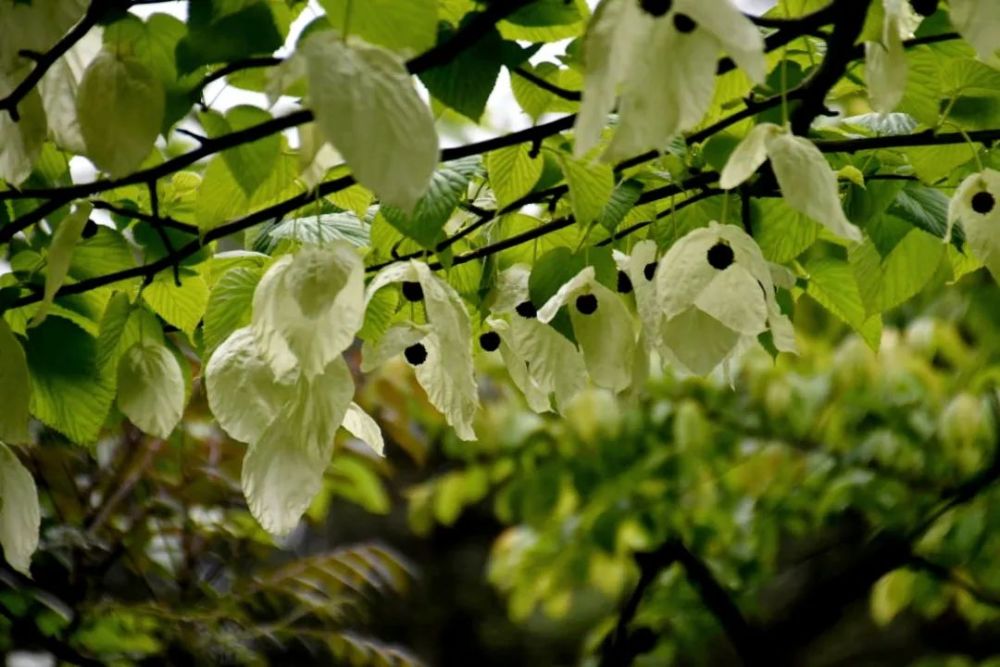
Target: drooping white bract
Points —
{"points": [[602, 326], [446, 373], [885, 60], [282, 386], [715, 294], [807, 182], [661, 69], [644, 288], [308, 307], [289, 425], [976, 206], [541, 361], [978, 21]]}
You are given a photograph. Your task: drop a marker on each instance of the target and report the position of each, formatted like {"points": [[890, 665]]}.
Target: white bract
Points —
{"points": [[978, 21], [361, 92], [975, 206], [807, 182], [541, 361], [661, 69], [307, 308], [19, 514], [715, 295], [282, 386], [885, 60], [446, 372], [602, 326]]}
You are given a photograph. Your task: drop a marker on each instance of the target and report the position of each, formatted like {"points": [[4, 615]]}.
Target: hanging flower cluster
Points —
{"points": [[282, 386], [657, 60], [975, 207]]}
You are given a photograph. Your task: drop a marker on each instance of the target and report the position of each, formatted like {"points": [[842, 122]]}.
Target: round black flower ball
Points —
{"points": [[684, 23], [656, 7], [526, 309], [624, 283], [489, 341], [586, 304], [413, 291], [649, 270], [983, 202], [720, 256], [416, 354]]}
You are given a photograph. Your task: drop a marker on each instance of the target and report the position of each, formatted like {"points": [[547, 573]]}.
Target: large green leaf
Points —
{"points": [[590, 186], [69, 392], [223, 30], [448, 187], [318, 230], [182, 306], [832, 283], [229, 305], [781, 232], [403, 26], [513, 172], [250, 164], [465, 82]]}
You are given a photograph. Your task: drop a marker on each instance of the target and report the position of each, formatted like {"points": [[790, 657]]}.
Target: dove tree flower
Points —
{"points": [[715, 294], [286, 392], [658, 61], [602, 326], [545, 365], [974, 206], [440, 351], [807, 182]]}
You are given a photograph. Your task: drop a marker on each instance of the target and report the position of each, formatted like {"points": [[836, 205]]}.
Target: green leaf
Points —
{"points": [[229, 305], [20, 518], [466, 81], [926, 208], [544, 21], [15, 388], [363, 91], [112, 329], [59, 256], [221, 198], [121, 107], [181, 306], [318, 230], [402, 26], [151, 388], [512, 172], [781, 232], [250, 164], [357, 482], [69, 392], [590, 187], [892, 594], [221, 31], [623, 198], [833, 285], [448, 187]]}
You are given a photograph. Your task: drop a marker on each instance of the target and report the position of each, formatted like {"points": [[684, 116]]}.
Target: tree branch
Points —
{"points": [[847, 26], [558, 91]]}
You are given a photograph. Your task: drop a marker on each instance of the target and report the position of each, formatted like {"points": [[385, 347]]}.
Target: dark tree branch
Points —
{"points": [[618, 648], [163, 221], [558, 91], [947, 575], [924, 138], [847, 25]]}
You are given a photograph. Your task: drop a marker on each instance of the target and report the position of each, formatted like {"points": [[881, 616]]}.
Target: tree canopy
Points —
{"points": [[693, 187]]}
